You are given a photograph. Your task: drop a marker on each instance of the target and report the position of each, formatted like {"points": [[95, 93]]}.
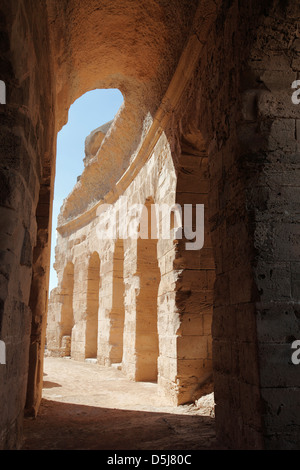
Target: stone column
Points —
{"points": [[117, 314], [78, 338], [105, 304], [270, 141], [93, 286], [27, 126]]}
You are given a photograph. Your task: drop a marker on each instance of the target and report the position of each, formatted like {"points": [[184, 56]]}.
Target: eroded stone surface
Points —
{"points": [[207, 100]]}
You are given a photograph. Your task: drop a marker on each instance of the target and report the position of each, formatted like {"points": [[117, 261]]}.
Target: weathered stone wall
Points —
{"points": [[225, 131], [270, 141], [245, 114], [26, 135]]}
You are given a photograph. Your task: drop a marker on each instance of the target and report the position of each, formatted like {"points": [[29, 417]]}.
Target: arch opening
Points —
{"points": [[77, 145]]}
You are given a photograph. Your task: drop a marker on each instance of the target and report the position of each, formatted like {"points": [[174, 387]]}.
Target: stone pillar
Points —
{"points": [[53, 319], [93, 286], [146, 338], [105, 304], [117, 314], [78, 338], [270, 141], [195, 267], [66, 307], [39, 302], [26, 137], [131, 281]]}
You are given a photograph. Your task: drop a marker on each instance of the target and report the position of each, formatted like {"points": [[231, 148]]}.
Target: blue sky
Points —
{"points": [[87, 113]]}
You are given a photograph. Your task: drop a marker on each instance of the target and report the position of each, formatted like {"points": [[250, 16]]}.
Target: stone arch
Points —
{"points": [[92, 307], [67, 314], [146, 339]]}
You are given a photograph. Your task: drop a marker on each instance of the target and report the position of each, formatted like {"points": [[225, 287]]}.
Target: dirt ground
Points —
{"points": [[89, 407]]}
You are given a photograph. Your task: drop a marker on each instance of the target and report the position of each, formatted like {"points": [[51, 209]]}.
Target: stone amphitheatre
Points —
{"points": [[210, 120]]}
